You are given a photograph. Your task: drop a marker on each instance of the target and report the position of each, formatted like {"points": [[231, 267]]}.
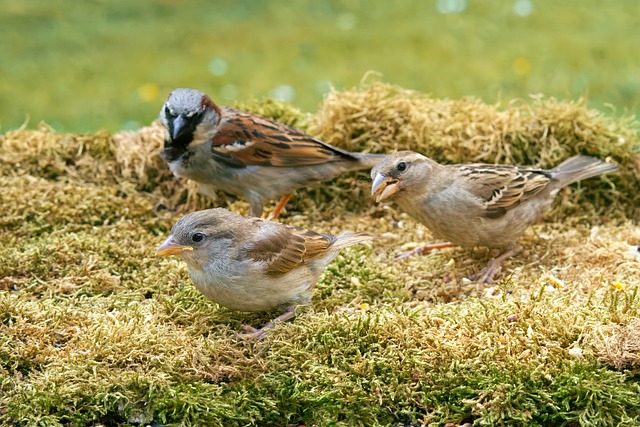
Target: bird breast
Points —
{"points": [[461, 220], [250, 289]]}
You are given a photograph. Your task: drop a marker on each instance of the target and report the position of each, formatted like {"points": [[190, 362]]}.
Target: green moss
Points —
{"points": [[280, 111], [94, 329]]}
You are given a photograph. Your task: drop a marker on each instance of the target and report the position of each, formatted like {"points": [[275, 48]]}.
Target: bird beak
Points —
{"points": [[179, 126], [384, 187], [169, 247]]}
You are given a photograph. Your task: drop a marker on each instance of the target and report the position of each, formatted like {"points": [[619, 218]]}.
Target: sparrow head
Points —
{"points": [[201, 237], [186, 113], [397, 172]]}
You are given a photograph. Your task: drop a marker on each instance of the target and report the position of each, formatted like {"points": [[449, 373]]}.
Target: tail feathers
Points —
{"points": [[368, 160], [578, 168], [346, 239]]}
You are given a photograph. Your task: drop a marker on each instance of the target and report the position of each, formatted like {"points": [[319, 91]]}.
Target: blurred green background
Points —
{"points": [[91, 65]]}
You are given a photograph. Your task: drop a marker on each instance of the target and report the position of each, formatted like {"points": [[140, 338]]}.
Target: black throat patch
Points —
{"points": [[176, 148], [174, 152]]}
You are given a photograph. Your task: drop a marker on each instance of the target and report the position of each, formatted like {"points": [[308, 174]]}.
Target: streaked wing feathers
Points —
{"points": [[246, 139], [288, 248], [503, 187]]}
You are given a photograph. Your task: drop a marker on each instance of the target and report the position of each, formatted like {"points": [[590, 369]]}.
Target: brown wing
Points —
{"points": [[288, 248], [247, 139], [503, 187]]}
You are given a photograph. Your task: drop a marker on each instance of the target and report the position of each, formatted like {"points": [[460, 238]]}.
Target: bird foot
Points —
{"points": [[256, 334], [423, 250], [494, 266], [253, 333], [488, 273]]}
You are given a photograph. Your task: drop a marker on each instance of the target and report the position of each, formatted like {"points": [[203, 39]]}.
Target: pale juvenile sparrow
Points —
{"points": [[476, 204], [251, 264], [245, 154]]}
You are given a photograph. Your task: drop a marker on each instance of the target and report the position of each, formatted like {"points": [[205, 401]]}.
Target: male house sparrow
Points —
{"points": [[251, 264], [476, 204], [245, 154]]}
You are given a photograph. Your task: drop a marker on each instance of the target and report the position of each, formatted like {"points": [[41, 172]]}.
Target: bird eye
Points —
{"points": [[402, 166], [168, 112], [197, 237]]}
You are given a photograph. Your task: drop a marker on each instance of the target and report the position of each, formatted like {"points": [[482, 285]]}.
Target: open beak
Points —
{"points": [[169, 247], [384, 187]]}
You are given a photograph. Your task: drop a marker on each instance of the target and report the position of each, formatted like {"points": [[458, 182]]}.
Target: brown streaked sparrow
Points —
{"points": [[251, 264], [245, 154], [476, 204]]}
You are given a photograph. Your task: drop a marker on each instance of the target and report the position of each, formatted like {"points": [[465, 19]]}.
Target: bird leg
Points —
{"points": [[255, 205], [495, 265], [257, 334], [279, 207], [423, 250]]}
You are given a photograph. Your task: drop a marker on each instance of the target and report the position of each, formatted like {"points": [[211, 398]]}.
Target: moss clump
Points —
{"points": [[51, 155], [461, 362], [27, 212], [279, 111], [380, 118], [618, 344], [94, 329]]}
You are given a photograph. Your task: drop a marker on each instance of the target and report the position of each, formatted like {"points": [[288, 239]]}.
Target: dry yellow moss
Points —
{"points": [[374, 118], [95, 329], [380, 118], [618, 345]]}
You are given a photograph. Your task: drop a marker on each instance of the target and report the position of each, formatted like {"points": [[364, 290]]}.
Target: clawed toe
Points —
{"points": [[488, 273], [257, 334], [254, 334], [494, 266], [249, 328], [406, 254]]}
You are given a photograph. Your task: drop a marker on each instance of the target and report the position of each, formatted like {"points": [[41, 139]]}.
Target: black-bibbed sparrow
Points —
{"points": [[245, 154]]}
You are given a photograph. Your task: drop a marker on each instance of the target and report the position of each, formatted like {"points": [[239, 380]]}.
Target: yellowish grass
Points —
{"points": [[96, 330]]}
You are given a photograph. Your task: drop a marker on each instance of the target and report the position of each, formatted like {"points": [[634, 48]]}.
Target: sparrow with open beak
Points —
{"points": [[476, 204], [245, 154], [251, 264]]}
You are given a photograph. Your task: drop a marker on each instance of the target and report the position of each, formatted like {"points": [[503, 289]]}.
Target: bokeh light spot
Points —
{"points": [[345, 21], [131, 125], [229, 92], [284, 93], [451, 6], [218, 67], [149, 91], [523, 7], [521, 66], [323, 86]]}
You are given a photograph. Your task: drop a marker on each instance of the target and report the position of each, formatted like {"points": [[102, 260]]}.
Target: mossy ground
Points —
{"points": [[96, 330]]}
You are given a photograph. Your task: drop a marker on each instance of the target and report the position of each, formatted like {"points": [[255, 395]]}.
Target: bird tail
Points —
{"points": [[578, 168], [346, 239], [367, 160]]}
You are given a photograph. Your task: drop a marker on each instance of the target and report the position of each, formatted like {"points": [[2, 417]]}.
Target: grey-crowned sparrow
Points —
{"points": [[245, 154]]}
